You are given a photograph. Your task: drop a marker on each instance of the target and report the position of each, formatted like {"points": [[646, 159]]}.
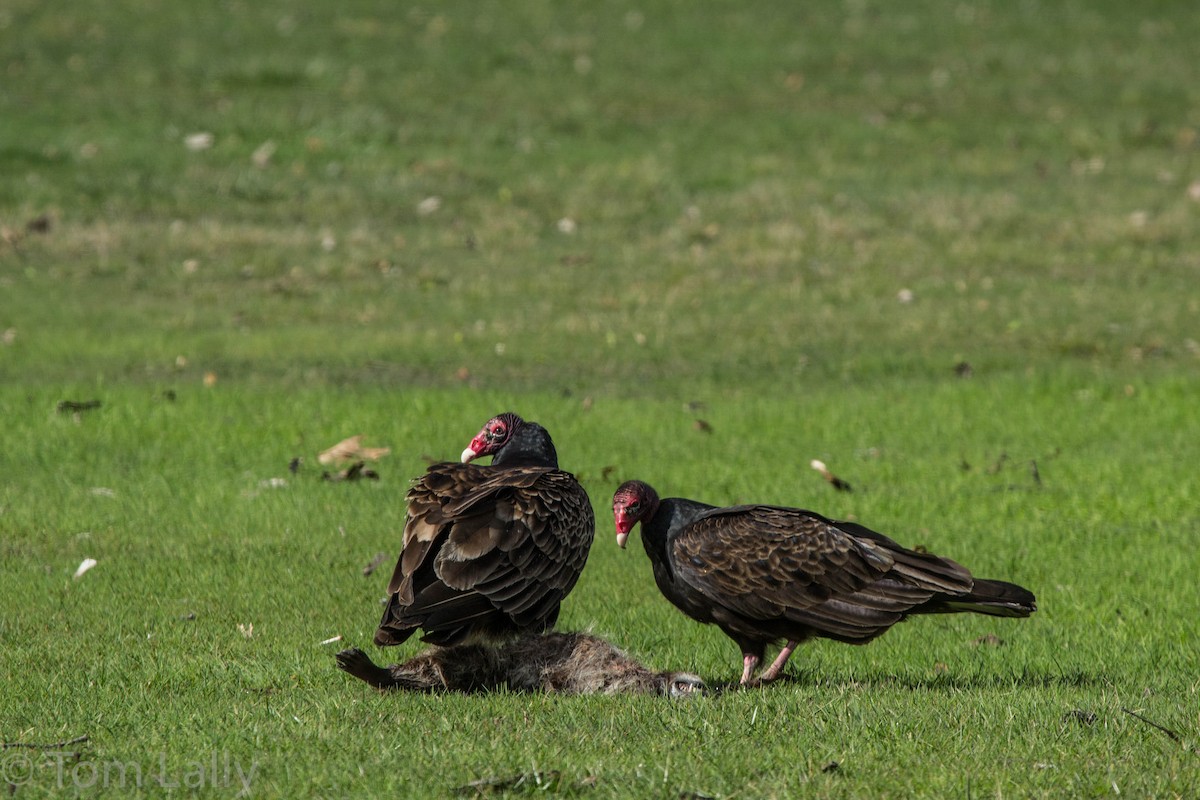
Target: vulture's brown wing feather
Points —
{"points": [[549, 532], [426, 518], [764, 561], [923, 570], [480, 541], [768, 563]]}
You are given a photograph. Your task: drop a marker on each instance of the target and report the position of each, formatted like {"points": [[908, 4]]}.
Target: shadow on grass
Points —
{"points": [[939, 682]]}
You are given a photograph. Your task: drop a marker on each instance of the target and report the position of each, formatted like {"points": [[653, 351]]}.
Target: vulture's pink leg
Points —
{"points": [[776, 669], [749, 662]]}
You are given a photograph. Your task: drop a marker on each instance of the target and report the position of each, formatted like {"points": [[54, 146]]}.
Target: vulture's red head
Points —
{"points": [[495, 434], [634, 502]]}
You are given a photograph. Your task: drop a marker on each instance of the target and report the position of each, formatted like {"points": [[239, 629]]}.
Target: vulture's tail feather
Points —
{"points": [[995, 598]]}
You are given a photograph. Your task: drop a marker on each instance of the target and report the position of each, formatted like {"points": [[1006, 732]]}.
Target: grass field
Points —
{"points": [[933, 244]]}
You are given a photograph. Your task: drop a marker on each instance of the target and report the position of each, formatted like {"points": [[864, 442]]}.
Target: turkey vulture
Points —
{"points": [[489, 552], [765, 574], [565, 663]]}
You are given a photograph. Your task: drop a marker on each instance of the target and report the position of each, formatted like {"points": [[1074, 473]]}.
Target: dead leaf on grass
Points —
{"points": [[198, 141], [261, 157], [40, 224], [1080, 716], [531, 780], [352, 449]]}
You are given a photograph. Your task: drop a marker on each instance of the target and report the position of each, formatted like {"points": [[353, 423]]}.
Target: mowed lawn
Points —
{"points": [[950, 249]]}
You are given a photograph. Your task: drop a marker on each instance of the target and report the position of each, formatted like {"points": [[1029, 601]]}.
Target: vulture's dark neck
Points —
{"points": [[529, 446], [671, 517]]}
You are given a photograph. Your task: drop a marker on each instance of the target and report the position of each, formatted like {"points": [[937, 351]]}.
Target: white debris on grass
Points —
{"points": [[198, 141]]}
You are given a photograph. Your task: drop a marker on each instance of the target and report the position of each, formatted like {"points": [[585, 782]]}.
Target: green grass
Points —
{"points": [[751, 188]]}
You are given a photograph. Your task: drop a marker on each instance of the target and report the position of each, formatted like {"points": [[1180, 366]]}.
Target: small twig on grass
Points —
{"points": [[834, 480], [1175, 737], [374, 565], [51, 746]]}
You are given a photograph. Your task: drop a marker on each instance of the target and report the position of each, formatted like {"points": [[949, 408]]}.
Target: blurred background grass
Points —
{"points": [[932, 244], [621, 198]]}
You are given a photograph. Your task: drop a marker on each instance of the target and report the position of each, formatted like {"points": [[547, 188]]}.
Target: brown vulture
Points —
{"points": [[765, 574], [489, 552]]}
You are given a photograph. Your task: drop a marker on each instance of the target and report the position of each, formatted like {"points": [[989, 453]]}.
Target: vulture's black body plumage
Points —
{"points": [[766, 574], [489, 552]]}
